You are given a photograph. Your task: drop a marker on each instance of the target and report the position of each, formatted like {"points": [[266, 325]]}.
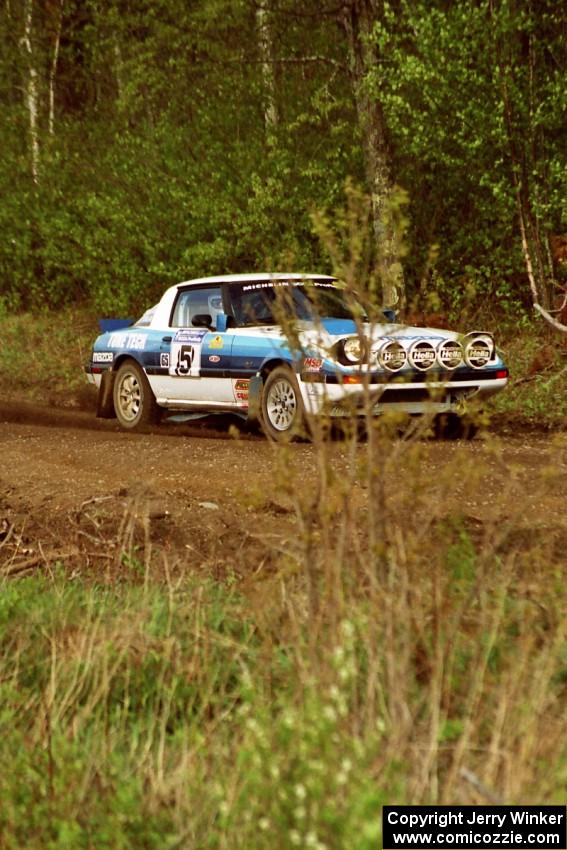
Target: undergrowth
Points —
{"points": [[536, 393], [42, 355], [399, 650]]}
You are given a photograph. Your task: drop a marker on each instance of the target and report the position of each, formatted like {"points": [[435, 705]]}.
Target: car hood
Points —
{"points": [[330, 331]]}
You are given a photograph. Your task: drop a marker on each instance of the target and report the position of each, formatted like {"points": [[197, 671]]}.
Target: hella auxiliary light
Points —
{"points": [[479, 350]]}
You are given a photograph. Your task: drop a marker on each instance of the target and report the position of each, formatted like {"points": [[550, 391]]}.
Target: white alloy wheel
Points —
{"points": [[282, 405], [134, 403]]}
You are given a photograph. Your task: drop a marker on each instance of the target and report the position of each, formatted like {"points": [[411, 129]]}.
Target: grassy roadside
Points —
{"points": [[42, 358], [190, 715]]}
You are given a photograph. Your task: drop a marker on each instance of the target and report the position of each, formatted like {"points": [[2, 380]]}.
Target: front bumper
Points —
{"points": [[339, 400]]}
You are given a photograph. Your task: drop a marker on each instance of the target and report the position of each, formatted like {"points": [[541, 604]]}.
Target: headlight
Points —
{"points": [[479, 351], [353, 349]]}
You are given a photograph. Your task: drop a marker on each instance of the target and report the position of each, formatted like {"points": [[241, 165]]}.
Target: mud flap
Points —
{"points": [[105, 401], [254, 394]]}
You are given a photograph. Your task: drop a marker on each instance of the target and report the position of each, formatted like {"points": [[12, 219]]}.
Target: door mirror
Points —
{"points": [[222, 322], [389, 315], [202, 320]]}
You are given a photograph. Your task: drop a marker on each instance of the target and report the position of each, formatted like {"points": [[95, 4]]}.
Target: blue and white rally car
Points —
{"points": [[224, 344]]}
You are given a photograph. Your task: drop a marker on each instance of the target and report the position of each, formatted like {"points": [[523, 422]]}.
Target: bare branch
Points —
{"points": [[562, 305], [479, 786], [549, 319]]}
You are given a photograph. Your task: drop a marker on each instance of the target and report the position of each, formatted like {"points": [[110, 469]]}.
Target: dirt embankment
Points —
{"points": [[77, 490]]}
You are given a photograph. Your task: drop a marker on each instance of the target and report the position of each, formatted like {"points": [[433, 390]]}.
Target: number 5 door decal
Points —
{"points": [[185, 357], [185, 360]]}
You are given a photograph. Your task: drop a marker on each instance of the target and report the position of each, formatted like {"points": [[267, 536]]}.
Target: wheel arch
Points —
{"points": [[272, 364], [122, 358]]}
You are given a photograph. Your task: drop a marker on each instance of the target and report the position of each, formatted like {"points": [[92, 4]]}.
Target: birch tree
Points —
{"points": [[524, 69], [31, 90], [268, 75], [53, 66]]}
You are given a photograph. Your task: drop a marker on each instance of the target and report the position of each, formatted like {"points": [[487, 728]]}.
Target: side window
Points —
{"points": [[193, 302]]}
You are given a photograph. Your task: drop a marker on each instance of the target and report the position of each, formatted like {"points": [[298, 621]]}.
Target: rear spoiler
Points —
{"points": [[107, 325]]}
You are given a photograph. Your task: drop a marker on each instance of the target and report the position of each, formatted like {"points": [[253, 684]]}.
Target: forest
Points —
{"points": [[150, 141]]}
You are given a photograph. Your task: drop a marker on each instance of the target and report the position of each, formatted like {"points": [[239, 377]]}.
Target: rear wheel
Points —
{"points": [[134, 401], [283, 411]]}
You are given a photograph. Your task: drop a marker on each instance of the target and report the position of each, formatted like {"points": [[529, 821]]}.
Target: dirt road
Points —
{"points": [[64, 476]]}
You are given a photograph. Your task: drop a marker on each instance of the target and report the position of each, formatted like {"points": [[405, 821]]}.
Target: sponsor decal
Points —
{"points": [[217, 342], [189, 335], [241, 387], [477, 357], [164, 360], [135, 342], [478, 351], [103, 356], [312, 364], [272, 284], [214, 358]]}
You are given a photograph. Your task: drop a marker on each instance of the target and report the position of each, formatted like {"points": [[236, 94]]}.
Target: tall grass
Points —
{"points": [[400, 650]]}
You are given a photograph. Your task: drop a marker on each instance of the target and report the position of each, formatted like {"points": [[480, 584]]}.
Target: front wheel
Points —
{"points": [[283, 411], [134, 401], [454, 426]]}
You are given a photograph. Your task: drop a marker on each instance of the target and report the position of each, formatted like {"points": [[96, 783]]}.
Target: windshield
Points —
{"points": [[260, 303]]}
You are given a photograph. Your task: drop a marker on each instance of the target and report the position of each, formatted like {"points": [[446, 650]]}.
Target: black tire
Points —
{"points": [[283, 411], [452, 426], [134, 402]]}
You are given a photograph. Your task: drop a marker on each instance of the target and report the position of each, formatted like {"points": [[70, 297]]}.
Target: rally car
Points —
{"points": [[281, 349]]}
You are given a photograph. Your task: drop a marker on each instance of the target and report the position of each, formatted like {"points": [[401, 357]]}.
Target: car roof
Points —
{"points": [[163, 309], [258, 277]]}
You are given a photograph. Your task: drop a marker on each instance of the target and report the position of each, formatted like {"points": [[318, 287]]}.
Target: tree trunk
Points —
{"points": [[53, 68], [522, 152], [359, 19], [31, 91], [265, 45]]}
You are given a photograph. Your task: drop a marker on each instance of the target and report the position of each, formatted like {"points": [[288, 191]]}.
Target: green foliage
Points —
{"points": [[442, 85], [161, 165], [42, 356]]}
